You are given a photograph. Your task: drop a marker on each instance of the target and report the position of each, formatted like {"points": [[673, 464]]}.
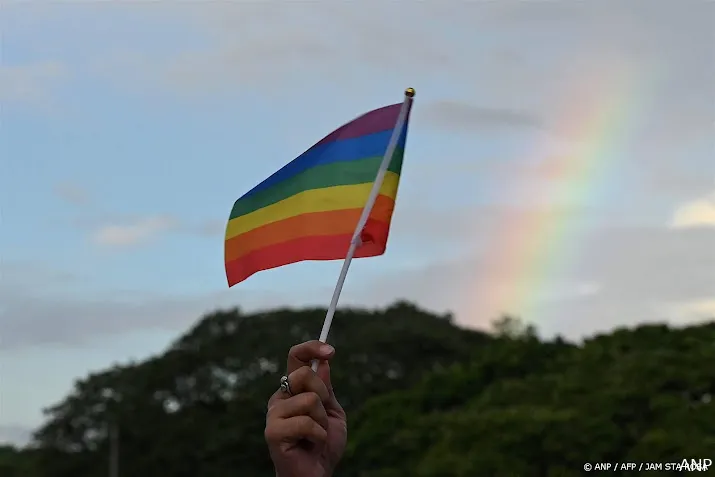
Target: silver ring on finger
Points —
{"points": [[285, 386]]}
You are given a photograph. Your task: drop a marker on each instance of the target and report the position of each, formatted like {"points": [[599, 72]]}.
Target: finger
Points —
{"points": [[294, 429], [302, 380], [324, 374], [306, 404], [302, 354]]}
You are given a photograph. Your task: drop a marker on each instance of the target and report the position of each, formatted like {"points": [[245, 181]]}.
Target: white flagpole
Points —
{"points": [[355, 241]]}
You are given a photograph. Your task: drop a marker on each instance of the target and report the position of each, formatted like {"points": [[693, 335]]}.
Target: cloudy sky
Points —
{"points": [[560, 165]]}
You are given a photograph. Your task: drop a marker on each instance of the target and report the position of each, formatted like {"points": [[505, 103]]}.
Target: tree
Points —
{"points": [[18, 463], [634, 395], [199, 408], [512, 327], [424, 398]]}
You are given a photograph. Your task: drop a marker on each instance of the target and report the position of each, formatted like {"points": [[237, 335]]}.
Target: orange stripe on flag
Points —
{"points": [[327, 247], [334, 222]]}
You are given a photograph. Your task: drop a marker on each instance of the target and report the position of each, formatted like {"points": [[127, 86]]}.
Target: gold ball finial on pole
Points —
{"points": [[410, 92]]}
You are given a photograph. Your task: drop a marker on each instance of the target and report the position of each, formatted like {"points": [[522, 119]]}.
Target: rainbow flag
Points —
{"points": [[310, 208]]}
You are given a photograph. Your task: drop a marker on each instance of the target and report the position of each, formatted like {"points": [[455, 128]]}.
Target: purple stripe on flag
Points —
{"points": [[378, 120]]}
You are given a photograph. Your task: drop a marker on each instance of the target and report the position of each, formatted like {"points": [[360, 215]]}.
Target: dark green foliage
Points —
{"points": [[424, 398]]}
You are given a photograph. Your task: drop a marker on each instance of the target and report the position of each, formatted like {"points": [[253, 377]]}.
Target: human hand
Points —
{"points": [[307, 431]]}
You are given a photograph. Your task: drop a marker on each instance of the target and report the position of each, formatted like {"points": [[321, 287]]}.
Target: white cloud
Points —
{"points": [[133, 233], [697, 213], [617, 276], [460, 115], [696, 309], [653, 62], [30, 83], [587, 289], [208, 228], [72, 193], [477, 68], [13, 434], [43, 306], [263, 43]]}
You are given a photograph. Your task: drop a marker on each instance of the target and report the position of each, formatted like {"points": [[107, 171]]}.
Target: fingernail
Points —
{"points": [[326, 349]]}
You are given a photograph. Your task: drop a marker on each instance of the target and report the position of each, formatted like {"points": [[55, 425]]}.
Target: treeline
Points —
{"points": [[424, 398]]}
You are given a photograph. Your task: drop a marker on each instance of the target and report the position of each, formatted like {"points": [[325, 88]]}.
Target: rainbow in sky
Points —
{"points": [[532, 251]]}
